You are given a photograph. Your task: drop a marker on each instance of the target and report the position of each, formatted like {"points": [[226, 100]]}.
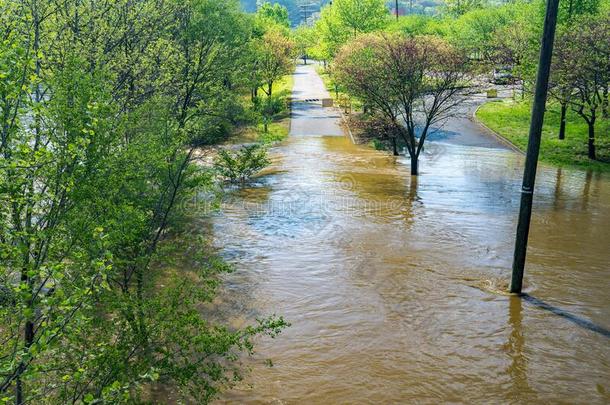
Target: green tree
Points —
{"points": [[239, 166], [304, 39], [570, 9], [275, 13], [273, 58], [361, 16], [516, 44], [50, 123], [345, 19], [331, 33], [561, 88], [582, 62], [101, 109], [475, 30]]}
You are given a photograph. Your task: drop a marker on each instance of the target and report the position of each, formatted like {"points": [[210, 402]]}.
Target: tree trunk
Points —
{"points": [[28, 334], [586, 189], [414, 166], [394, 146], [18, 392], [562, 121], [592, 154], [305, 59], [269, 88], [605, 113]]}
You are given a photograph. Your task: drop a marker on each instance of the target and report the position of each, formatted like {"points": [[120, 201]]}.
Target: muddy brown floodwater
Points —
{"points": [[393, 285]]}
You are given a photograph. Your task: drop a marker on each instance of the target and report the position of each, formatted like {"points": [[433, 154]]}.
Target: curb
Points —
{"points": [[346, 125], [493, 133], [290, 103]]}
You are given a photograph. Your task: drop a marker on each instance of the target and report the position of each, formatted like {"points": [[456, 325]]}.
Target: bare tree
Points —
{"points": [[582, 61], [415, 83]]}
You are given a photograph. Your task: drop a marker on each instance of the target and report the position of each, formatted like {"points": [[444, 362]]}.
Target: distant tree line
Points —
{"points": [[291, 6]]}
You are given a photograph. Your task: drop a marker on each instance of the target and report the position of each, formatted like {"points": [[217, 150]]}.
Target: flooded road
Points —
{"points": [[393, 284]]}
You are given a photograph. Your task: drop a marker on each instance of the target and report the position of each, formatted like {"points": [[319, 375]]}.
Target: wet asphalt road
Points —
{"points": [[309, 118]]}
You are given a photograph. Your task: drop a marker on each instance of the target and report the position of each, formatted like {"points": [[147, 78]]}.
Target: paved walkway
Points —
{"points": [[462, 129], [309, 118]]}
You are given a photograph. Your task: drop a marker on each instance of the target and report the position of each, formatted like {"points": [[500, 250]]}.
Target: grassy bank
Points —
{"points": [[511, 120], [328, 81], [278, 129], [342, 99]]}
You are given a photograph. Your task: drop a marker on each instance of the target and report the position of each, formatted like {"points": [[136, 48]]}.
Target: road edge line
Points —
{"points": [[493, 133]]}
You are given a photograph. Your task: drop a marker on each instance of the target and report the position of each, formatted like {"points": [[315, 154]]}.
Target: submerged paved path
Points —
{"points": [[309, 117]]}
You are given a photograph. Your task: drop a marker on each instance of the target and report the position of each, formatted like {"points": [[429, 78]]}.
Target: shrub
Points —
{"points": [[374, 127], [241, 165]]}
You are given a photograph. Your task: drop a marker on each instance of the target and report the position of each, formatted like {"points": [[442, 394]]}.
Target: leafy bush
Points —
{"points": [[241, 165], [275, 133], [270, 106], [210, 129], [373, 126]]}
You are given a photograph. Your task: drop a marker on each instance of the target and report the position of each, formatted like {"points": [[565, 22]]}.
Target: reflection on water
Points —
{"points": [[375, 270], [520, 390]]}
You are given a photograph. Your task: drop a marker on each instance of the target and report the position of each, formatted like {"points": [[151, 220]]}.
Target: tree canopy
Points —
{"points": [[413, 83], [102, 108], [275, 13]]}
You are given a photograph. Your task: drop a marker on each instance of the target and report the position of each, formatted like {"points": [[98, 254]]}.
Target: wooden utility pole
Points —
{"points": [[533, 145], [306, 12]]}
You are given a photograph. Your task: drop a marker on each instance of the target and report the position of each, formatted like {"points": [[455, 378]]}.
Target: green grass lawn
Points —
{"points": [[278, 129], [327, 79], [511, 120], [284, 86]]}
